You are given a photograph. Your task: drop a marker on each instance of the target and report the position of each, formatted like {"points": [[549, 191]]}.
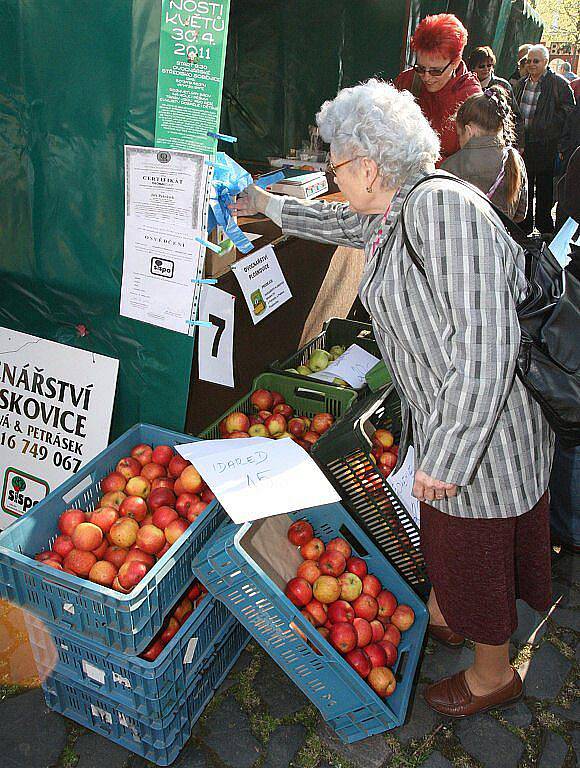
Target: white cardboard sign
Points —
{"points": [[401, 482], [55, 413], [259, 477], [262, 282], [215, 352], [352, 366]]}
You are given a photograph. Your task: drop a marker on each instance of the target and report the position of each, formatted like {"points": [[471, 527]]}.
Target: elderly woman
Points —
{"points": [[450, 337], [439, 79]]}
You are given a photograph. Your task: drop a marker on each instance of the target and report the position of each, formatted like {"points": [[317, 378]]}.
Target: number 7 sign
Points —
{"points": [[216, 343]]}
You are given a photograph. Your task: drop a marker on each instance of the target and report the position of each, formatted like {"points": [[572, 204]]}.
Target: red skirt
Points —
{"points": [[479, 568]]}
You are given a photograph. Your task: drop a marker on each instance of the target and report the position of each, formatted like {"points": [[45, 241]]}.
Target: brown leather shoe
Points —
{"points": [[446, 636], [453, 698]]}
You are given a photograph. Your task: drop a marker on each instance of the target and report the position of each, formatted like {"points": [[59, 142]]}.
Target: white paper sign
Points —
{"points": [[260, 478], [216, 344], [401, 482], [55, 413], [262, 282], [166, 194], [352, 366]]}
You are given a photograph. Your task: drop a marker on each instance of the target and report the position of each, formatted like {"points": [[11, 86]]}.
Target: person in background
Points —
{"points": [[521, 67], [566, 71], [487, 157], [450, 336], [482, 62], [545, 100], [439, 80]]}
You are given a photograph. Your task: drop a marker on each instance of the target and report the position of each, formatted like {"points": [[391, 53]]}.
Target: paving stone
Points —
{"points": [[44, 731], [489, 742], [530, 624], [368, 753], [242, 663], [284, 745], [277, 691], [95, 751], [191, 756], [436, 760], [547, 673], [228, 734], [421, 719], [572, 713], [554, 752], [567, 617], [518, 715], [444, 662]]}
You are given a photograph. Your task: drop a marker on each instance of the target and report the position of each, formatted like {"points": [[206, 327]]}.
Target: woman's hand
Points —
{"points": [[252, 200], [427, 488]]}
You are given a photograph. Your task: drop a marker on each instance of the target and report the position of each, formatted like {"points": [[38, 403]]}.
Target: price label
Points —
{"points": [[216, 343]]}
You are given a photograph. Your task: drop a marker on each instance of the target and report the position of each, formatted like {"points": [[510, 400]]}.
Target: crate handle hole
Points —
{"points": [[401, 665]]}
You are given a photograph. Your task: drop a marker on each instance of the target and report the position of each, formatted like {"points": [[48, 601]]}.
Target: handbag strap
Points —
{"points": [[513, 229]]}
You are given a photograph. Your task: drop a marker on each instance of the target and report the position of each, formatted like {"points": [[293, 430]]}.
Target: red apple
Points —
{"points": [[114, 481], [113, 499], [103, 573], [299, 592], [383, 437], [275, 424], [118, 588], [258, 430], [185, 502], [326, 589], [392, 634], [371, 585], [237, 422], [332, 563], [357, 566], [364, 632], [62, 545], [262, 400], [277, 398], [382, 681], [310, 437], [297, 427], [308, 570], [86, 537], [101, 550], [160, 497], [135, 507], [183, 610], [162, 454], [191, 480], [136, 555], [79, 562], [316, 609], [366, 607], [153, 471], [388, 460], [403, 617], [255, 420], [153, 650], [178, 488], [234, 435], [55, 564], [195, 510], [128, 467], [116, 556], [175, 529], [163, 516], [340, 545], [207, 495], [359, 661], [123, 533], [130, 574], [343, 637], [350, 586], [324, 631], [69, 520], [376, 654], [150, 539], [48, 555], [378, 630], [142, 453], [286, 410], [104, 517], [177, 465], [312, 550], [163, 551], [163, 482], [387, 604], [263, 415], [300, 532], [171, 629], [194, 591], [138, 486], [391, 652], [309, 618], [340, 612], [322, 422]]}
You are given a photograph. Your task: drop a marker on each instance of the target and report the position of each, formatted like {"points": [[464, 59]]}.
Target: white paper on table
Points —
{"points": [[166, 198], [262, 282], [401, 482], [252, 236], [215, 351], [560, 245], [352, 366], [261, 478]]}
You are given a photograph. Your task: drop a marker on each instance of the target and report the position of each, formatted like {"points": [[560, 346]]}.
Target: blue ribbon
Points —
{"points": [[229, 179]]}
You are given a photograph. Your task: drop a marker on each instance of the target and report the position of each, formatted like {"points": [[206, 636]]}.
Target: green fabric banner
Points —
{"points": [[192, 56]]}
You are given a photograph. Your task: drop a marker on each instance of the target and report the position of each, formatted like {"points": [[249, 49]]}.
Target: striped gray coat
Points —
{"points": [[450, 339]]}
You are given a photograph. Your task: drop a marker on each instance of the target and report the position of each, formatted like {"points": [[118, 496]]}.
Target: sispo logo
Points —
{"points": [[19, 494], [162, 267]]}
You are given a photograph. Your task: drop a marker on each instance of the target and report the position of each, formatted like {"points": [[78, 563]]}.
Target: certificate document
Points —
{"points": [[166, 196]]}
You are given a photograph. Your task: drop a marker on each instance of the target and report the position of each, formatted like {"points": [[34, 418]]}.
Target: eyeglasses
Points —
{"points": [[535, 61], [432, 71], [332, 168]]}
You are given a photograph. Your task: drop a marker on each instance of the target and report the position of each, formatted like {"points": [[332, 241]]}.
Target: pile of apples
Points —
{"points": [[149, 501], [176, 619], [384, 452], [348, 606], [274, 418], [318, 361]]}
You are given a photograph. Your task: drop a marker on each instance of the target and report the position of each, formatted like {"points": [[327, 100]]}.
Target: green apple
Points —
{"points": [[304, 370], [319, 360]]}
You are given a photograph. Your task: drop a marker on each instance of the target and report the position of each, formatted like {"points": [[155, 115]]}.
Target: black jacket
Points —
{"points": [[555, 102]]}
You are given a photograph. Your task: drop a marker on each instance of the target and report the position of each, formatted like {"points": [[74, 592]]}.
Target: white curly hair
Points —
{"points": [[377, 121]]}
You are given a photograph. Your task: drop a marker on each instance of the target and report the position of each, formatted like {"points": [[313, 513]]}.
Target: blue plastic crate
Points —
{"points": [[345, 700], [123, 622], [150, 688], [160, 742]]}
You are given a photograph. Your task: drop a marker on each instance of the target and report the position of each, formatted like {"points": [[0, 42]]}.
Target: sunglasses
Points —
{"points": [[535, 61], [432, 71], [332, 168]]}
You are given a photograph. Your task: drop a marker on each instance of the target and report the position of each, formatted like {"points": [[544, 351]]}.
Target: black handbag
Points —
{"points": [[548, 362]]}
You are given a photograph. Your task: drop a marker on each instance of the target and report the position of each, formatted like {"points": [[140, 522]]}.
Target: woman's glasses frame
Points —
{"points": [[431, 71]]}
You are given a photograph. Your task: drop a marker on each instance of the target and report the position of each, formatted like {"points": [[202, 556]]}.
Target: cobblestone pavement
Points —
{"points": [[259, 719]]}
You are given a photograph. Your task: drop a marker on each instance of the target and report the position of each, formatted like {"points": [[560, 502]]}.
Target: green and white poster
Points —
{"points": [[192, 56]]}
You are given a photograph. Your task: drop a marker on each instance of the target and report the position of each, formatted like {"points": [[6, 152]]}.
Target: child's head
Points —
{"points": [[485, 114]]}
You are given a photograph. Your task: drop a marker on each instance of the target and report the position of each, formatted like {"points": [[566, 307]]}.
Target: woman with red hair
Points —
{"points": [[439, 80]]}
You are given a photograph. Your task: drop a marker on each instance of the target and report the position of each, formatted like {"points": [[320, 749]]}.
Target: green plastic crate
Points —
{"points": [[307, 397], [344, 452], [336, 331]]}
